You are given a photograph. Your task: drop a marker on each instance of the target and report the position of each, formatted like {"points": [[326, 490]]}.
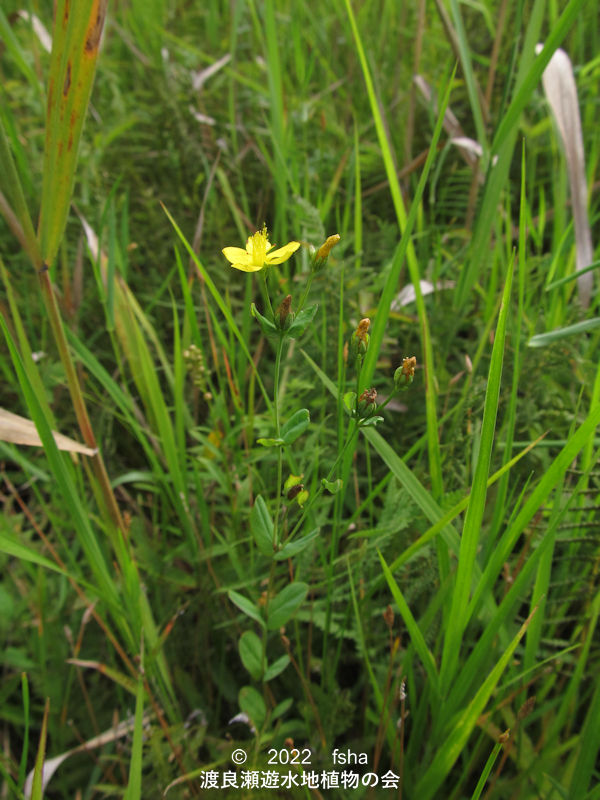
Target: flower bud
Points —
{"points": [[284, 315], [404, 375], [302, 498], [322, 254], [359, 343]]}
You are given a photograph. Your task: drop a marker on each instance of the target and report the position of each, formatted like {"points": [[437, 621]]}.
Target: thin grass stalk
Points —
{"points": [[499, 508], [445, 757], [25, 745], [528, 76], [74, 583], [487, 769], [79, 403], [473, 89], [473, 518], [416, 69], [37, 785], [405, 248]]}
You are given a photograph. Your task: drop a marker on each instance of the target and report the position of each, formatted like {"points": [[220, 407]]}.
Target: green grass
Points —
{"points": [[411, 576]]}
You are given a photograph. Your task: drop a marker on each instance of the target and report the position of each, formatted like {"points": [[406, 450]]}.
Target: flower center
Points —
{"points": [[259, 245]]}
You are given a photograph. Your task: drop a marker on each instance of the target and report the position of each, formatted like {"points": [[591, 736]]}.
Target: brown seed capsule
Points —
{"points": [[294, 491], [388, 616], [366, 403]]}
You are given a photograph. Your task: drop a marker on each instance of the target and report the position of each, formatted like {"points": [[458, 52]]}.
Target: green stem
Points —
{"points": [[332, 555], [263, 275], [321, 488], [277, 434], [306, 291], [79, 407]]}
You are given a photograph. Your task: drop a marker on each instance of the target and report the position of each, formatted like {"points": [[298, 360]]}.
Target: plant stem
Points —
{"points": [[277, 434], [263, 275], [79, 407], [306, 291], [321, 488]]}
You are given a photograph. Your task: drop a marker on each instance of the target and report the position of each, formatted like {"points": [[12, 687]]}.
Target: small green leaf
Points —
{"points": [[284, 605], [332, 487], [271, 442], [293, 548], [295, 426], [267, 326], [302, 321], [253, 705], [281, 708], [261, 526], [350, 401], [371, 421], [247, 606], [276, 668], [250, 648]]}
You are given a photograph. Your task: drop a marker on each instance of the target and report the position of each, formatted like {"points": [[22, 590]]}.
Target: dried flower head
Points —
{"points": [[404, 375], [359, 343]]}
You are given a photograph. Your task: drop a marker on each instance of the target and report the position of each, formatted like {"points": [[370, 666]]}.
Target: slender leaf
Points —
{"points": [[471, 533], [75, 45], [247, 606], [284, 605], [134, 784], [446, 755], [251, 652], [414, 631], [37, 786]]}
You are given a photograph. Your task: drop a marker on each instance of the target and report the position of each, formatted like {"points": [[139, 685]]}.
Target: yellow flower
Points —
{"points": [[259, 253]]}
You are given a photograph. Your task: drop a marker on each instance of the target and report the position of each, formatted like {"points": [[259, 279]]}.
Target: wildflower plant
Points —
{"points": [[281, 322]]}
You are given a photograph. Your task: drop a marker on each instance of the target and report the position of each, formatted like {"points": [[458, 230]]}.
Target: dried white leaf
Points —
{"points": [[19, 430], [407, 294], [561, 92], [52, 764], [38, 28], [468, 144], [199, 78], [203, 119]]}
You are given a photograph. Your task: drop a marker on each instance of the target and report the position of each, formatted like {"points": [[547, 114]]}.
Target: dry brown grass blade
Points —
{"points": [[20, 430]]}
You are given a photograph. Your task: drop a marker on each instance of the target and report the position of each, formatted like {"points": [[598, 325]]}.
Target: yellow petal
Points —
{"points": [[235, 255], [248, 266], [281, 255]]}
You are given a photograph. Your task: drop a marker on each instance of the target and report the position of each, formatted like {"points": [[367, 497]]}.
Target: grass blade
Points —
{"points": [[530, 73], [134, 784], [469, 541], [75, 43], [450, 750], [414, 631], [405, 248], [37, 784]]}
